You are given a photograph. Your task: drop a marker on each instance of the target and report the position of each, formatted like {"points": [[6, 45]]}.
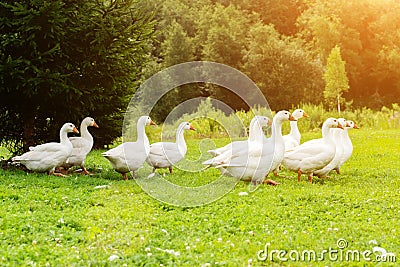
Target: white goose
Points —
{"points": [[167, 154], [261, 157], [130, 156], [337, 139], [347, 144], [293, 138], [256, 137], [255, 133], [45, 157], [81, 146], [313, 155]]}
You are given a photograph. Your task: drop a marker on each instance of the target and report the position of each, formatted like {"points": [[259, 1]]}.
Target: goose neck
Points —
{"points": [[64, 137], [294, 130], [180, 140], [327, 134], [256, 133], [345, 135], [141, 134], [277, 130], [85, 132]]}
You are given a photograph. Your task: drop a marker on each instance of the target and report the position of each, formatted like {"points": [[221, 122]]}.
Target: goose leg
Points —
{"points": [[298, 176], [170, 169], [84, 169], [125, 177], [271, 182], [57, 174], [310, 178], [275, 172], [154, 169], [337, 170], [61, 170]]}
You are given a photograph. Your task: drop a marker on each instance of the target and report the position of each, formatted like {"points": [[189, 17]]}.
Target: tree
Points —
{"points": [[63, 60], [282, 68], [281, 13], [177, 46], [336, 81], [222, 34], [367, 32], [284, 45]]}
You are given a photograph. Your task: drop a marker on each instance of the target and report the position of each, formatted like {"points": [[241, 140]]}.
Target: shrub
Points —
{"points": [[214, 123]]}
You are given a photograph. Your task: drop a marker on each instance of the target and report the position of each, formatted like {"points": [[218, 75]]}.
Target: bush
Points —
{"points": [[213, 123]]}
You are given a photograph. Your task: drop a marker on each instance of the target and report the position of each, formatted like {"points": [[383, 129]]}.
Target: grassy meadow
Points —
{"points": [[102, 220]]}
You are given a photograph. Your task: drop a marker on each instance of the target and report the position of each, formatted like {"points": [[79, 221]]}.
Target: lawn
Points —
{"points": [[102, 220]]}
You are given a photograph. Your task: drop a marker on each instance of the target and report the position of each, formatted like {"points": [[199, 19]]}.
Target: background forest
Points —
{"points": [[63, 60], [283, 45]]}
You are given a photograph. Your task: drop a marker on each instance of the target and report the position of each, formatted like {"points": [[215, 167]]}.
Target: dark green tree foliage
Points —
{"points": [[222, 35], [230, 32], [282, 13], [197, 30], [284, 71], [283, 45], [30, 45], [367, 32], [63, 60]]}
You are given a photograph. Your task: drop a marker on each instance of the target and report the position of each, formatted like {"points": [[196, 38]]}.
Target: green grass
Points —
{"points": [[46, 220], [4, 153]]}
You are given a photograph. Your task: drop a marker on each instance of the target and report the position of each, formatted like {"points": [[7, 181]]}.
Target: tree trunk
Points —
{"points": [[338, 104]]}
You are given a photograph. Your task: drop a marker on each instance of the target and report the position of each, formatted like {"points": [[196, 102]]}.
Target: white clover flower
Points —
{"points": [[113, 257]]}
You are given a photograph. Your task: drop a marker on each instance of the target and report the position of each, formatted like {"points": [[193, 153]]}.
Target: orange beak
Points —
{"points": [[75, 130], [192, 128], [152, 122], [95, 125], [270, 123], [339, 125], [291, 118], [355, 126], [305, 115]]}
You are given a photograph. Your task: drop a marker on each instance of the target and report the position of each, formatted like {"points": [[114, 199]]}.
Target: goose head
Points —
{"points": [[88, 121], [261, 121], [146, 120], [352, 125], [343, 122], [332, 123], [284, 115], [69, 128], [186, 126], [299, 113]]}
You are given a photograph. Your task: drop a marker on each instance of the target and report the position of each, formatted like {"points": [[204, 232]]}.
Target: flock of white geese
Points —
{"points": [[252, 159]]}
